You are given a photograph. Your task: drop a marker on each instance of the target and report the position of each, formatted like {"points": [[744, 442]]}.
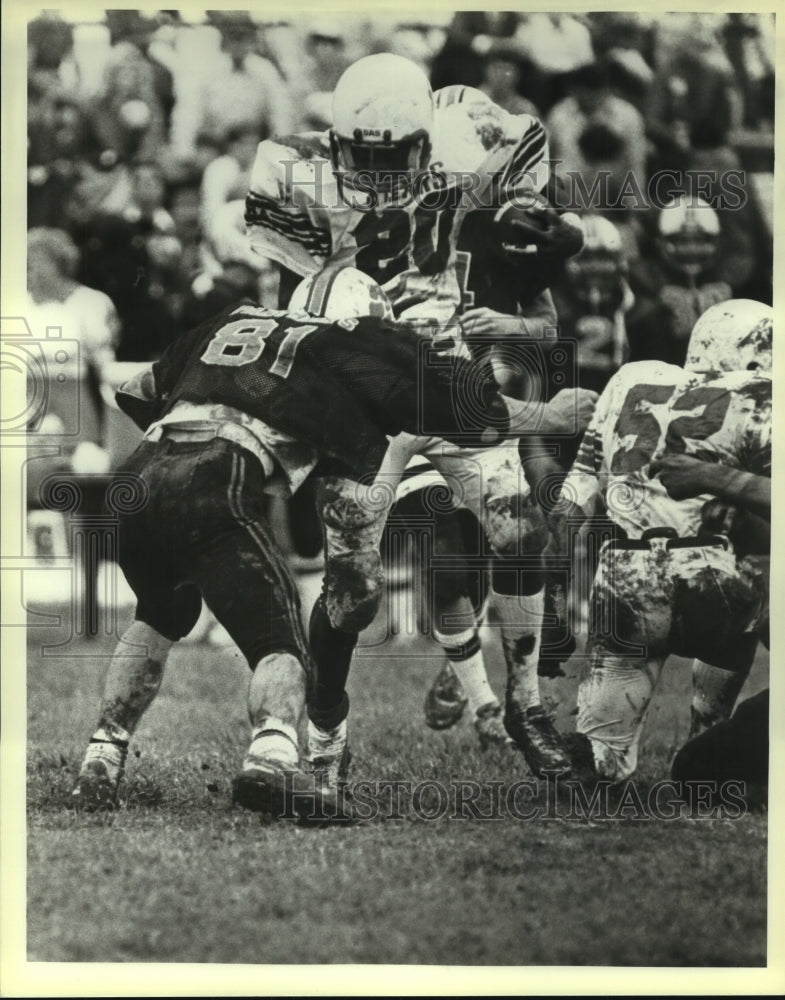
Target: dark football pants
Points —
{"points": [[202, 535], [734, 750]]}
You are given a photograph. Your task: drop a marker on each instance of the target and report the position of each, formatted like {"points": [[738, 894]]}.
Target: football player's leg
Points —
{"points": [[353, 517], [494, 488], [720, 598], [246, 583], [457, 591], [166, 610], [629, 627], [715, 690], [733, 750], [249, 588]]}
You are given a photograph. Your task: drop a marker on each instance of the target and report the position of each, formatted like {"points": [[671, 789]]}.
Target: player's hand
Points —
{"points": [[522, 230], [571, 410], [489, 323], [682, 476], [718, 517]]}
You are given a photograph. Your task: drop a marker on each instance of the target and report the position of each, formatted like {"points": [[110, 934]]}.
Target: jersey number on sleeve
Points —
{"points": [[242, 342]]}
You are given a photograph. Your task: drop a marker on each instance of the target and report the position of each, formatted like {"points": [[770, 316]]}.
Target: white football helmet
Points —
{"points": [[382, 123], [338, 293], [596, 271], [456, 93], [689, 230], [732, 336]]}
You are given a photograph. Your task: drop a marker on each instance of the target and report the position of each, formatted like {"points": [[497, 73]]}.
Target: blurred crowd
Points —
{"points": [[141, 127]]}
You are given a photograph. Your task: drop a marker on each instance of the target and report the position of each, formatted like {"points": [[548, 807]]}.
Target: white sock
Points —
{"points": [[273, 740], [521, 618], [326, 742], [115, 735], [471, 670]]}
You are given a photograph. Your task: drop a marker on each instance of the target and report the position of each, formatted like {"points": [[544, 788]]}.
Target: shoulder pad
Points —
{"points": [[288, 168]]}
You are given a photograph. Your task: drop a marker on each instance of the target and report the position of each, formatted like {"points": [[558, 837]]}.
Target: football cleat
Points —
{"points": [[583, 765], [279, 792], [328, 756], [446, 699], [490, 727], [533, 731], [272, 782], [100, 776]]}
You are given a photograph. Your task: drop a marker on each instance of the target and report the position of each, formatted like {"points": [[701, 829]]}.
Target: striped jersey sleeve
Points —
{"points": [[527, 164], [284, 216]]}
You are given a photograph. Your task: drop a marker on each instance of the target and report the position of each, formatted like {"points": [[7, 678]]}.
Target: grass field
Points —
{"points": [[180, 875]]}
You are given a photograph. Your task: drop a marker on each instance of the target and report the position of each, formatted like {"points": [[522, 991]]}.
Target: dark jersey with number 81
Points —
{"points": [[340, 387]]}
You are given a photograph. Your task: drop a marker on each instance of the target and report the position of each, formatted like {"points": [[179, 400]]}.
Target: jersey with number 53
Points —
{"points": [[338, 387], [650, 408]]}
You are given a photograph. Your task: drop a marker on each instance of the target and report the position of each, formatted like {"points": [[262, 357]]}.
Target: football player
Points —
{"points": [[662, 587], [508, 252], [714, 690], [252, 402], [353, 513], [348, 197], [679, 284], [736, 748]]}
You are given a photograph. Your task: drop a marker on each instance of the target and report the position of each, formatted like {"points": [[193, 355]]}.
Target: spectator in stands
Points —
{"points": [[742, 260], [183, 203], [555, 45], [240, 90], [694, 79], [128, 117], [502, 71], [228, 176], [138, 29], [469, 38], [57, 299], [598, 136], [56, 130], [326, 51], [50, 64], [131, 252]]}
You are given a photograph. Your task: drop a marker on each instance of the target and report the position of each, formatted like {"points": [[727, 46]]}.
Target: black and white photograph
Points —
{"points": [[387, 499]]}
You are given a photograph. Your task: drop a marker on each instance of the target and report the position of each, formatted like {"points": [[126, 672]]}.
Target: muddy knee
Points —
{"points": [[354, 589], [515, 526]]}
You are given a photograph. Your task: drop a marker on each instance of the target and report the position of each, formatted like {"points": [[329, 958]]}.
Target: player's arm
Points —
{"points": [[684, 477], [483, 323], [583, 487], [438, 395], [144, 397], [568, 413]]}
